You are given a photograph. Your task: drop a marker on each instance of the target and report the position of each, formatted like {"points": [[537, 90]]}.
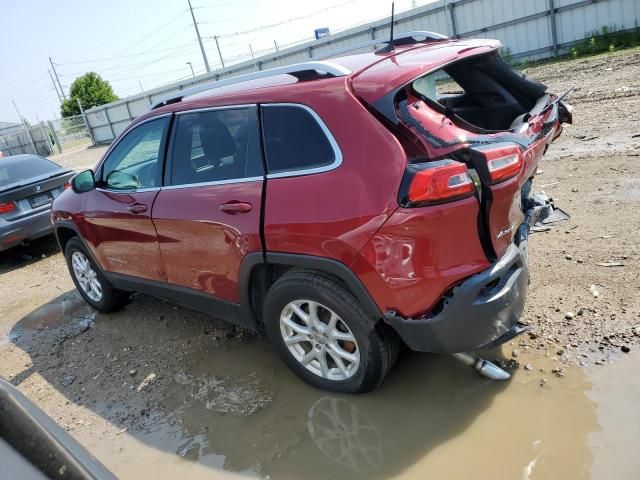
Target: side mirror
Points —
{"points": [[83, 182]]}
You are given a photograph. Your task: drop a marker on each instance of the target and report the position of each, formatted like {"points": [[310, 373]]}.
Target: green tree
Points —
{"points": [[91, 90]]}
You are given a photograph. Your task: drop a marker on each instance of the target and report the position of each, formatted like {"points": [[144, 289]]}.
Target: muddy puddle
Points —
{"points": [[68, 314], [222, 404], [239, 411]]}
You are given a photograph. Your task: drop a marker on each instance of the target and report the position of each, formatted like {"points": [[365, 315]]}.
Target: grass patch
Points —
{"points": [[605, 40]]}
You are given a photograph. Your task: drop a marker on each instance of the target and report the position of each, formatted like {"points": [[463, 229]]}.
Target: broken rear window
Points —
{"points": [[481, 90]]}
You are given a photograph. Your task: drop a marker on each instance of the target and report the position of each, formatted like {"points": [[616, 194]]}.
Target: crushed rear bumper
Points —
{"points": [[481, 312]]}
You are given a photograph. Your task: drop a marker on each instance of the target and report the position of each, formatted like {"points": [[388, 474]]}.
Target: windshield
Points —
{"points": [[23, 167]]}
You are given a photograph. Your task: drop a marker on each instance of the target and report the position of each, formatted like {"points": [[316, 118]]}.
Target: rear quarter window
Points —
{"points": [[294, 139]]}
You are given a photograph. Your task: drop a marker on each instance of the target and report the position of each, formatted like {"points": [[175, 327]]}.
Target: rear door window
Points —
{"points": [[294, 139], [215, 145]]}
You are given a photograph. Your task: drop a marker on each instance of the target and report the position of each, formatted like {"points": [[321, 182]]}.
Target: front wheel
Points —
{"points": [[90, 281], [324, 335]]}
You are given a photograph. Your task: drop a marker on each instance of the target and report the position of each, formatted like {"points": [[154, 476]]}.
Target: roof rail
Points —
{"points": [[407, 38], [302, 71]]}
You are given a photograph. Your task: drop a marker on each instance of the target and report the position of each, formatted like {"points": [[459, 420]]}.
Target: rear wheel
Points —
{"points": [[90, 281], [324, 335]]}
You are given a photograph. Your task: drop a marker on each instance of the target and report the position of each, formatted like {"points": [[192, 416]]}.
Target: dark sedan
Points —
{"points": [[28, 185]]}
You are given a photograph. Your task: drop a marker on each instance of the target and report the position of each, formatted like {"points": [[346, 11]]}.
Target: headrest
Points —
{"points": [[216, 140]]}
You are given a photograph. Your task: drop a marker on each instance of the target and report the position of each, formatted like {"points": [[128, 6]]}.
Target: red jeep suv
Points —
{"points": [[340, 206]]}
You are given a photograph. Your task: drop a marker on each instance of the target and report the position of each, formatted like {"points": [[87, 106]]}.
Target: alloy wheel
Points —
{"points": [[86, 276], [319, 340]]}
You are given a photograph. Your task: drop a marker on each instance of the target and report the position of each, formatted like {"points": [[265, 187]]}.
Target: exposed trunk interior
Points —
{"points": [[483, 91]]}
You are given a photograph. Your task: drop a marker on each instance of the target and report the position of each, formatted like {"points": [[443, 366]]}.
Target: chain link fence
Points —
{"points": [[69, 132], [46, 139], [33, 139]]}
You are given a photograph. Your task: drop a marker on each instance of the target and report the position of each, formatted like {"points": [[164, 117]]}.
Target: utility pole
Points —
{"points": [[86, 123], [192, 72], [45, 135], [57, 78], [140, 83], [26, 128], [251, 50], [55, 87], [219, 52], [195, 24], [276, 44]]}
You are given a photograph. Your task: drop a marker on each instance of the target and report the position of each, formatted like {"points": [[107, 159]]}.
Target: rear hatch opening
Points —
{"points": [[482, 94], [471, 127]]}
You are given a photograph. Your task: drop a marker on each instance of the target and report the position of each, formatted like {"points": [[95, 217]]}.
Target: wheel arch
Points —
{"points": [[259, 271], [65, 232]]}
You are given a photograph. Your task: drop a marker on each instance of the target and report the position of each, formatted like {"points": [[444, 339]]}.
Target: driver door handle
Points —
{"points": [[137, 208], [233, 208]]}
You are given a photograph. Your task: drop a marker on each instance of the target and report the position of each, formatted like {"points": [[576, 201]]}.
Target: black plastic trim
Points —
{"points": [[247, 311], [517, 329], [194, 299], [239, 314], [71, 226], [481, 310], [242, 314], [333, 267]]}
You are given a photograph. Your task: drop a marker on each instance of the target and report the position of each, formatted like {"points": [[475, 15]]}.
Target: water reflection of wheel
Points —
{"points": [[345, 435]]}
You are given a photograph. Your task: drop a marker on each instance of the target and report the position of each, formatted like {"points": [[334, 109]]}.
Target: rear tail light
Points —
{"points": [[436, 182], [7, 207], [66, 185], [503, 161], [503, 168]]}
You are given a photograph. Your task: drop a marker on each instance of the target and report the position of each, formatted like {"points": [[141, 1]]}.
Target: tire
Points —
{"points": [[357, 366], [110, 298]]}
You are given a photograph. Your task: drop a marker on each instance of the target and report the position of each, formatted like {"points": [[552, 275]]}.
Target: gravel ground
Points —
{"points": [[99, 375], [80, 158], [585, 285]]}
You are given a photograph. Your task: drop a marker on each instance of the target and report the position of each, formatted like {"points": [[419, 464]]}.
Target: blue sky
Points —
{"points": [[129, 42]]}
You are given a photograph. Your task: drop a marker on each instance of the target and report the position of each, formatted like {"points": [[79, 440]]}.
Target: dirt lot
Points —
{"points": [[158, 389]]}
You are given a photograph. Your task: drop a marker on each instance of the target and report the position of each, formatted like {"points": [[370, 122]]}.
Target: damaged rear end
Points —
{"points": [[474, 131]]}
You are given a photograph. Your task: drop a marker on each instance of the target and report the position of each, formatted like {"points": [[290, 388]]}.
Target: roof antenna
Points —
{"points": [[389, 47]]}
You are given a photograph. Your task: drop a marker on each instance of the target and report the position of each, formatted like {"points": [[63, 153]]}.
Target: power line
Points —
{"points": [[284, 22], [146, 37], [128, 65], [30, 84], [228, 4], [168, 38], [118, 79], [118, 57], [128, 69]]}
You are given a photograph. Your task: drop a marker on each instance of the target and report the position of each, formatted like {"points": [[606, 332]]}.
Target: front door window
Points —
{"points": [[135, 162]]}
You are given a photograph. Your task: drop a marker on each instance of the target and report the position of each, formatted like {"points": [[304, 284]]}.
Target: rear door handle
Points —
{"points": [[233, 208], [137, 208]]}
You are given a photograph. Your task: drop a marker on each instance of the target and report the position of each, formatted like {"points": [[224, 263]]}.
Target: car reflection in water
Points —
{"points": [[345, 435], [240, 409]]}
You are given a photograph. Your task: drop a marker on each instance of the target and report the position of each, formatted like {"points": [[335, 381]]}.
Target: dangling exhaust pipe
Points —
{"points": [[483, 367]]}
